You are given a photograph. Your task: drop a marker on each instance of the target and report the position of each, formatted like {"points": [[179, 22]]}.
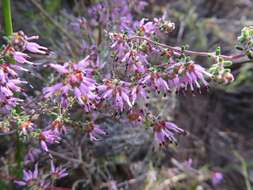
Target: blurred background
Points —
{"points": [[219, 120]]}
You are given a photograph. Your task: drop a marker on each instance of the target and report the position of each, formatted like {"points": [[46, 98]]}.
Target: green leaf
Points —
{"points": [[6, 38], [227, 63], [218, 51]]}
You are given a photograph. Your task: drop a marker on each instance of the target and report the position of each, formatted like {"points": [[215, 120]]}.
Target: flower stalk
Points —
{"points": [[188, 52], [6, 6]]}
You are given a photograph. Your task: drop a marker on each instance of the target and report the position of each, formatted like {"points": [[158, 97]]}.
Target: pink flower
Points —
{"points": [[217, 177], [94, 131], [36, 48], [50, 91], [29, 177], [174, 81], [21, 57], [58, 172], [116, 90], [48, 137], [165, 132], [26, 127], [60, 68], [154, 80], [137, 92], [147, 28], [58, 127], [135, 61], [192, 75], [78, 82]]}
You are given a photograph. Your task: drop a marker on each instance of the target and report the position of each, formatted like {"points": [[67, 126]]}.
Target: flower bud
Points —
{"points": [[228, 77]]}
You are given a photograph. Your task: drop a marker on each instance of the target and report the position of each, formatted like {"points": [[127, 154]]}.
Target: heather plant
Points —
{"points": [[122, 63]]}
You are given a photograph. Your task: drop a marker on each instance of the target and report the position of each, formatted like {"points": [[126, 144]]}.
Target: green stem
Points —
{"points": [[6, 6], [19, 156]]}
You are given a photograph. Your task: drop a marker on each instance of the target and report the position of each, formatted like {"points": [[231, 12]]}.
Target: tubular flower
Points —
{"points": [[192, 74], [77, 81], [116, 90], [10, 83], [165, 131], [57, 172], [22, 42], [148, 28], [48, 137], [19, 43], [21, 57], [137, 92], [135, 60], [26, 127], [155, 81], [29, 177], [36, 48], [94, 131], [58, 127], [32, 181]]}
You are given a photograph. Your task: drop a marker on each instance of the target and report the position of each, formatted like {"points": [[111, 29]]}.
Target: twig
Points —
{"points": [[62, 156], [188, 52]]}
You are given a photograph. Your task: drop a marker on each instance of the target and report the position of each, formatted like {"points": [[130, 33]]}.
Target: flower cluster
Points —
{"points": [[77, 80], [35, 179], [133, 67], [13, 58], [32, 181], [117, 91], [48, 137], [154, 27], [165, 132], [120, 16], [134, 50]]}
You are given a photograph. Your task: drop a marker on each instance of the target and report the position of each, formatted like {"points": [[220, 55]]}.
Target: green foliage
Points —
{"points": [[246, 41]]}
